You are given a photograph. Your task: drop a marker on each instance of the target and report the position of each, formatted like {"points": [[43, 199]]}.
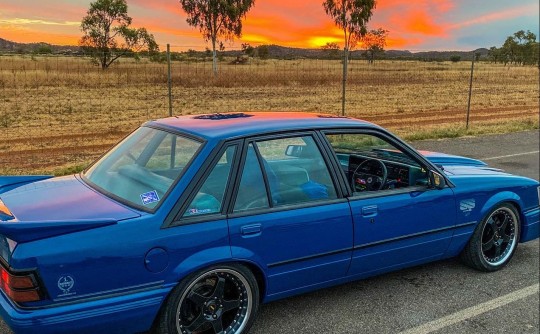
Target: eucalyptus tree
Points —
{"points": [[217, 20], [107, 33]]}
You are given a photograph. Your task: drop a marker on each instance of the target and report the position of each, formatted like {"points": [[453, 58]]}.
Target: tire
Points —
{"points": [[494, 240], [219, 299]]}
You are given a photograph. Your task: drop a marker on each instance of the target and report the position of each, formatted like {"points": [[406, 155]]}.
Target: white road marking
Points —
{"points": [[509, 156], [473, 311]]}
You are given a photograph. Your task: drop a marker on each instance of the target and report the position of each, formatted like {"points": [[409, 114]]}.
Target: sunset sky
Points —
{"points": [[414, 25]]}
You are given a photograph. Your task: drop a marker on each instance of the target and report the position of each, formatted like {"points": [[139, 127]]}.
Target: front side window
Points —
{"points": [[209, 198], [371, 163], [143, 167], [295, 170]]}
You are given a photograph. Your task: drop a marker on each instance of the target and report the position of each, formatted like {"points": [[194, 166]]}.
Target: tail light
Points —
{"points": [[21, 288]]}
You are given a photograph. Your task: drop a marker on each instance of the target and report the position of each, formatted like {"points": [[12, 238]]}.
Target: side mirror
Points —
{"points": [[436, 180], [294, 151]]}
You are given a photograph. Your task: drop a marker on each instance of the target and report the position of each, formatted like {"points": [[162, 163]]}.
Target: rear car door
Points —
{"points": [[288, 215], [406, 221]]}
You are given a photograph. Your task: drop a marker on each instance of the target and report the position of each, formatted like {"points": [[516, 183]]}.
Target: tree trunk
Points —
{"points": [[214, 57], [103, 60], [345, 63]]}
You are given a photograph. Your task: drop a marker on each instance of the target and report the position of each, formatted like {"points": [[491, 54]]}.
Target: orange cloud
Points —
{"points": [[421, 22], [403, 43]]}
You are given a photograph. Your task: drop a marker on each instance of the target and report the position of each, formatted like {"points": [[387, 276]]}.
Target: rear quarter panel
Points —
{"points": [[129, 257]]}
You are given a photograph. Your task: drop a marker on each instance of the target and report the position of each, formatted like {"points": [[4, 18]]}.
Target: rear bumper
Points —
{"points": [[530, 227], [121, 314]]}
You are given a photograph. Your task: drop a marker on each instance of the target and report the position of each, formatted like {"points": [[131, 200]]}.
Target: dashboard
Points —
{"points": [[399, 174]]}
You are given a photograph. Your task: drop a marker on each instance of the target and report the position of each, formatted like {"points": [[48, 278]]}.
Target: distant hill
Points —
{"points": [[435, 55], [274, 51], [7, 46], [282, 52]]}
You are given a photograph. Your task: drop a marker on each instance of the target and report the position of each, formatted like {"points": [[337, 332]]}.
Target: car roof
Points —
{"points": [[240, 124]]}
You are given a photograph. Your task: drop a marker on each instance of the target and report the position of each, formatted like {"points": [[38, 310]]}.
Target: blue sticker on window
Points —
{"points": [[149, 197], [199, 211]]}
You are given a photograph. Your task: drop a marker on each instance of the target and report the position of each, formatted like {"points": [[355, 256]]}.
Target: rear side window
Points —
{"points": [[292, 169], [252, 191], [209, 199]]}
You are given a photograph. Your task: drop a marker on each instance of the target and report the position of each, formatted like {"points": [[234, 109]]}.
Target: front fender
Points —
{"points": [[529, 219], [473, 207], [501, 197]]}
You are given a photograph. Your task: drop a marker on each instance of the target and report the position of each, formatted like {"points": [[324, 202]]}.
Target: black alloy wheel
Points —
{"points": [[220, 300], [499, 236], [495, 239]]}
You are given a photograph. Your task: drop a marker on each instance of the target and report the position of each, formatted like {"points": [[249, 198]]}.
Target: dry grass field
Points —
{"points": [[57, 114]]}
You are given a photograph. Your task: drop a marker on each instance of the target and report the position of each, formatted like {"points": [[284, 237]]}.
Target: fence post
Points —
{"points": [[345, 64], [169, 79], [470, 93]]}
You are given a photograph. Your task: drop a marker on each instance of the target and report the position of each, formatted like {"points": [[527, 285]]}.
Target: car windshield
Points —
{"points": [[143, 167]]}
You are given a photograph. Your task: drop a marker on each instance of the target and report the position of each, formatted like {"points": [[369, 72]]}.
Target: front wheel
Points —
{"points": [[222, 300], [494, 241]]}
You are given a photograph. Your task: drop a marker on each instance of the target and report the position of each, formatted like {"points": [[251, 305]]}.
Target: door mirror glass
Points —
{"points": [[437, 180], [294, 151]]}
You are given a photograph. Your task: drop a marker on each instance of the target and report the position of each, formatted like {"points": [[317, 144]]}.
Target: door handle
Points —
{"points": [[369, 211], [251, 230]]}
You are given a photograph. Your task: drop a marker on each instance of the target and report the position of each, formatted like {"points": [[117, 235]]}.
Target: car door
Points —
{"points": [[406, 222], [289, 217]]}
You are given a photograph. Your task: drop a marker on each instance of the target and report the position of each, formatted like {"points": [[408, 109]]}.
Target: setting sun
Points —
{"points": [[319, 41]]}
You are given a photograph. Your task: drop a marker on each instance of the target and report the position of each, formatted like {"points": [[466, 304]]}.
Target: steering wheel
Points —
{"points": [[362, 181]]}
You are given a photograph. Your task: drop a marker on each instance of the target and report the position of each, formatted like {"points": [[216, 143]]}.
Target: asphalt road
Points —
{"points": [[442, 297]]}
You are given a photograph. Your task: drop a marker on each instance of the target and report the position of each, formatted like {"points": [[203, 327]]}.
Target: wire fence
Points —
{"points": [[60, 112]]}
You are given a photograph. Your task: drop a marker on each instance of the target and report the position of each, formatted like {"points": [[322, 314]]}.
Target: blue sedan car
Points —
{"points": [[191, 222]]}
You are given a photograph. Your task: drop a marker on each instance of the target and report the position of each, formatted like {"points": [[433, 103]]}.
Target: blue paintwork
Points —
{"points": [[257, 123], [451, 160], [35, 230], [125, 263], [11, 182], [399, 215], [62, 198], [312, 231]]}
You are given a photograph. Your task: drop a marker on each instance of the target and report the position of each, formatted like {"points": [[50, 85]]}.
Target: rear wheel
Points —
{"points": [[495, 239], [222, 299]]}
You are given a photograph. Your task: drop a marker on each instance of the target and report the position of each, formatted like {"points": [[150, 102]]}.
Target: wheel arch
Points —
{"points": [[260, 277], [501, 198], [181, 271]]}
